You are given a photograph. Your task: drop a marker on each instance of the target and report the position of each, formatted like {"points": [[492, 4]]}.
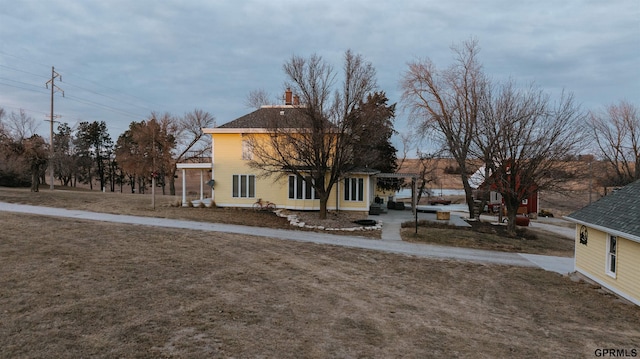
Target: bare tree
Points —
{"points": [[3, 130], [14, 170], [449, 102], [20, 125], [315, 142], [424, 167], [616, 132], [257, 98], [527, 137], [188, 134]]}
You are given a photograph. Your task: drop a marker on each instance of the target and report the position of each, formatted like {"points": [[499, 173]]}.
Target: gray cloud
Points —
{"points": [[132, 57]]}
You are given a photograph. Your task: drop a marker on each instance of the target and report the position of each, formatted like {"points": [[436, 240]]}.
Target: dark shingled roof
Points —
{"points": [[619, 211], [265, 117]]}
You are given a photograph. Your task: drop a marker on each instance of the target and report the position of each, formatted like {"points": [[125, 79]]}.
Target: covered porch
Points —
{"points": [[204, 180]]}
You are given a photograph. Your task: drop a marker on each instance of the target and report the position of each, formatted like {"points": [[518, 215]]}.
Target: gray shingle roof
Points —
{"points": [[266, 117], [619, 211]]}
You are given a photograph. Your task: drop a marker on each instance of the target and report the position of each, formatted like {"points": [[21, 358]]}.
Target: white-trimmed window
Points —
{"points": [[354, 189], [244, 186], [612, 250], [301, 188], [247, 150]]}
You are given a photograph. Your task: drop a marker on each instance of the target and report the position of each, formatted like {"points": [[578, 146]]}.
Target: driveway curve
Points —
{"points": [[562, 265]]}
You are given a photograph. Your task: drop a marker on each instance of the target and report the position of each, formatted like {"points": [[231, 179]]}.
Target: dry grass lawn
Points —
{"points": [[83, 289], [165, 207], [484, 235]]}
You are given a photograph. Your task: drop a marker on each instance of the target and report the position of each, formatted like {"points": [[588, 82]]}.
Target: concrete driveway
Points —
{"points": [[562, 265]]}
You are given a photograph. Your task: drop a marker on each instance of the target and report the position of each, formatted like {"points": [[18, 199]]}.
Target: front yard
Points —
{"points": [[74, 288]]}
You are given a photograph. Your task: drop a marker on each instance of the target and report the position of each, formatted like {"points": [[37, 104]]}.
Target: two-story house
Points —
{"points": [[237, 184]]}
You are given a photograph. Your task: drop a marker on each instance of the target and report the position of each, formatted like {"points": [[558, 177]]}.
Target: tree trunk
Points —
{"points": [[35, 179], [172, 181], [132, 183], [468, 194], [512, 205], [323, 206]]}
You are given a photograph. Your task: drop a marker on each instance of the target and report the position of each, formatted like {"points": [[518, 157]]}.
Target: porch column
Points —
{"points": [[184, 186], [201, 185]]}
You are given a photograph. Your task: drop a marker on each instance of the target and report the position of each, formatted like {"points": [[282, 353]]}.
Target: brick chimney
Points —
{"points": [[296, 100], [288, 97]]}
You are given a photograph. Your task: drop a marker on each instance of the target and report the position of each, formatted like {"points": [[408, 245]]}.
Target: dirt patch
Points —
{"points": [[75, 288]]}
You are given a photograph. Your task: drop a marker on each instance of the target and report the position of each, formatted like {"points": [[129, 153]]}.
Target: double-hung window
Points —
{"points": [[354, 189], [612, 251], [301, 188], [244, 186]]}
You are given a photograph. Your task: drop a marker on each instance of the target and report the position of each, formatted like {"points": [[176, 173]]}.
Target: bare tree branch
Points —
{"points": [[616, 132], [449, 102], [313, 140]]}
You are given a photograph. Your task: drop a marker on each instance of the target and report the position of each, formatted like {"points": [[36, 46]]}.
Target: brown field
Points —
{"points": [[74, 288]]}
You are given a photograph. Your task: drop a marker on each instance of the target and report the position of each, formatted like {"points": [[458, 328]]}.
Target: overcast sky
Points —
{"points": [[122, 59]]}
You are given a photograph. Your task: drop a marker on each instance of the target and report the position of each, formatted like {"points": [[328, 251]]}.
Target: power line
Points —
{"points": [[120, 97], [25, 72], [24, 88], [25, 109], [79, 100], [123, 94], [25, 60], [74, 98], [109, 108], [118, 91], [107, 96], [82, 78]]}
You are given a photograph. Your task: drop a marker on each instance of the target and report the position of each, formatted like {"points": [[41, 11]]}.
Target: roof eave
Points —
{"points": [[234, 130], [615, 232]]}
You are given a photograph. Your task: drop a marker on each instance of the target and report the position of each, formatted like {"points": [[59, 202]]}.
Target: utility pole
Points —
{"points": [[54, 74]]}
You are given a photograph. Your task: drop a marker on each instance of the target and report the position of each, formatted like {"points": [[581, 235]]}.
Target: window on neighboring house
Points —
{"points": [[354, 189], [247, 150], [244, 186], [612, 249], [301, 188]]}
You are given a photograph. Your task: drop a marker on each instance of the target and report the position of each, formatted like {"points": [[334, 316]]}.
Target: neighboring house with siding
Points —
{"points": [[607, 246], [528, 206], [237, 184]]}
